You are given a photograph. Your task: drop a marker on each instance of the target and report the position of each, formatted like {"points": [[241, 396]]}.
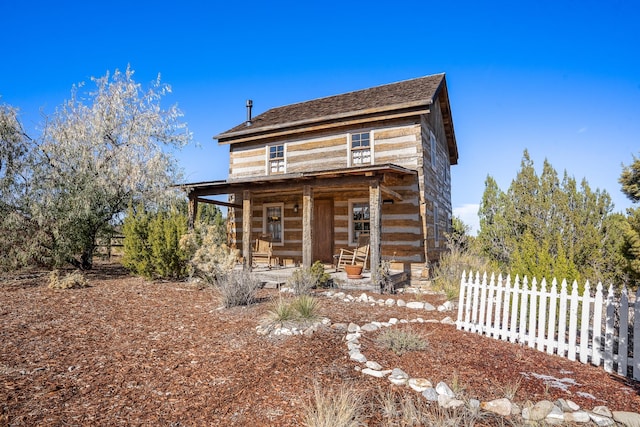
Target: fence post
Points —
{"points": [[623, 333], [608, 332], [513, 333], [463, 288], [474, 308], [497, 316], [482, 322], [504, 333], [584, 324], [468, 304], [596, 355], [524, 306], [491, 324], [542, 315], [573, 321], [562, 320], [551, 331]]}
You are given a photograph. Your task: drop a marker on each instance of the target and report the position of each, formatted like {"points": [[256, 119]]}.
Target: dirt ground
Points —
{"points": [[126, 351]]}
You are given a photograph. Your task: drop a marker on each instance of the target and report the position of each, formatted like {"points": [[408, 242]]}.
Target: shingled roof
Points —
{"points": [[415, 94]]}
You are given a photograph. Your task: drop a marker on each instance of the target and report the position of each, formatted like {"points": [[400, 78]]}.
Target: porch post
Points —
{"points": [[307, 226], [193, 209], [247, 217], [375, 207]]}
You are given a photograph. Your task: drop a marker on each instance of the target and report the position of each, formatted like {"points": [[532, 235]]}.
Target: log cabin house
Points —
{"points": [[316, 174]]}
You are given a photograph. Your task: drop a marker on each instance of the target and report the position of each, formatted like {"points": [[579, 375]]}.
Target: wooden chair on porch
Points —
{"points": [[263, 250], [359, 255]]}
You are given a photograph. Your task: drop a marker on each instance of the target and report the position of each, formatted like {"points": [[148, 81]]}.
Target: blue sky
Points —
{"points": [[559, 78]]}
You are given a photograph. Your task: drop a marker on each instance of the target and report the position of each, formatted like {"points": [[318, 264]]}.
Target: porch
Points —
{"points": [[277, 278]]}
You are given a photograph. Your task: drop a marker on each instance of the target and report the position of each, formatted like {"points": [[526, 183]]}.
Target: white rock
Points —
{"points": [[419, 320], [326, 321], [567, 405], [359, 357], [432, 321], [375, 373], [498, 406], [401, 303], [448, 321], [555, 415], [538, 412], [600, 420], [448, 305], [353, 328], [373, 365], [393, 321], [442, 308], [369, 327], [398, 377], [354, 336], [429, 307], [627, 419], [351, 345], [602, 410], [363, 297], [390, 302], [430, 394], [447, 402], [577, 417], [443, 388], [419, 384], [417, 305]]}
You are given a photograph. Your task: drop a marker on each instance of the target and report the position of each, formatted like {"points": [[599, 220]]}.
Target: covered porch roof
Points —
{"points": [[290, 181]]}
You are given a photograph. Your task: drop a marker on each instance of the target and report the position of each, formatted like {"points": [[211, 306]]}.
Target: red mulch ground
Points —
{"points": [[129, 352]]}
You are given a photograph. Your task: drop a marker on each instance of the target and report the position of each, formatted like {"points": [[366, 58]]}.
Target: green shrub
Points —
{"points": [[209, 259], [237, 288], [401, 341], [152, 243], [281, 311], [307, 307], [73, 280], [322, 277]]}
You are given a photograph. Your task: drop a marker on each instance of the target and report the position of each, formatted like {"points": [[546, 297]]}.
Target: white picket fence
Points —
{"points": [[579, 327]]}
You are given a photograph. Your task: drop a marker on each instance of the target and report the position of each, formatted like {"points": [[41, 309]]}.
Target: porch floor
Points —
{"points": [[277, 277]]}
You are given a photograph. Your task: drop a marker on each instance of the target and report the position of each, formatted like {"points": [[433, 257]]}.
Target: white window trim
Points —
{"points": [[350, 215], [268, 160], [264, 220], [371, 149]]}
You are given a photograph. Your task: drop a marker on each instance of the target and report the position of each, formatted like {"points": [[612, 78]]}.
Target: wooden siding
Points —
{"points": [[401, 232]]}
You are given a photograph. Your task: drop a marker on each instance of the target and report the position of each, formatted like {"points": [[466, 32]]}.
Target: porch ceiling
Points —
{"points": [[293, 181]]}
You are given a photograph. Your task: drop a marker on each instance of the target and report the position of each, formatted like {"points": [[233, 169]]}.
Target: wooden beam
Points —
{"points": [[193, 210], [307, 226], [391, 193], [217, 202], [247, 217], [375, 223]]}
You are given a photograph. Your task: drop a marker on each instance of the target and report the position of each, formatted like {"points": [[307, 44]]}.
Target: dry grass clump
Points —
{"points": [[237, 288], [74, 280], [332, 408], [401, 341]]}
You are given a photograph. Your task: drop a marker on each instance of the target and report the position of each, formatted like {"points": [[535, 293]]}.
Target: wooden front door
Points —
{"points": [[323, 230]]}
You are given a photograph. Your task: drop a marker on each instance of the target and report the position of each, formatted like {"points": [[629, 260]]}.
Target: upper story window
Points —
{"points": [[434, 153], [360, 149], [273, 222], [276, 159]]}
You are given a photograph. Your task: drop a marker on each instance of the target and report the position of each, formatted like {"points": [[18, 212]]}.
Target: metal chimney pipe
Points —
{"points": [[249, 106]]}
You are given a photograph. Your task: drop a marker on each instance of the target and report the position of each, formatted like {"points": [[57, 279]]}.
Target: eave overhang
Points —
{"points": [[270, 183]]}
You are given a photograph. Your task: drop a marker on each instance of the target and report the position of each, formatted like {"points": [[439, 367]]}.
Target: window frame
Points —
{"points": [[434, 150], [351, 150], [265, 222], [271, 160], [353, 240]]}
